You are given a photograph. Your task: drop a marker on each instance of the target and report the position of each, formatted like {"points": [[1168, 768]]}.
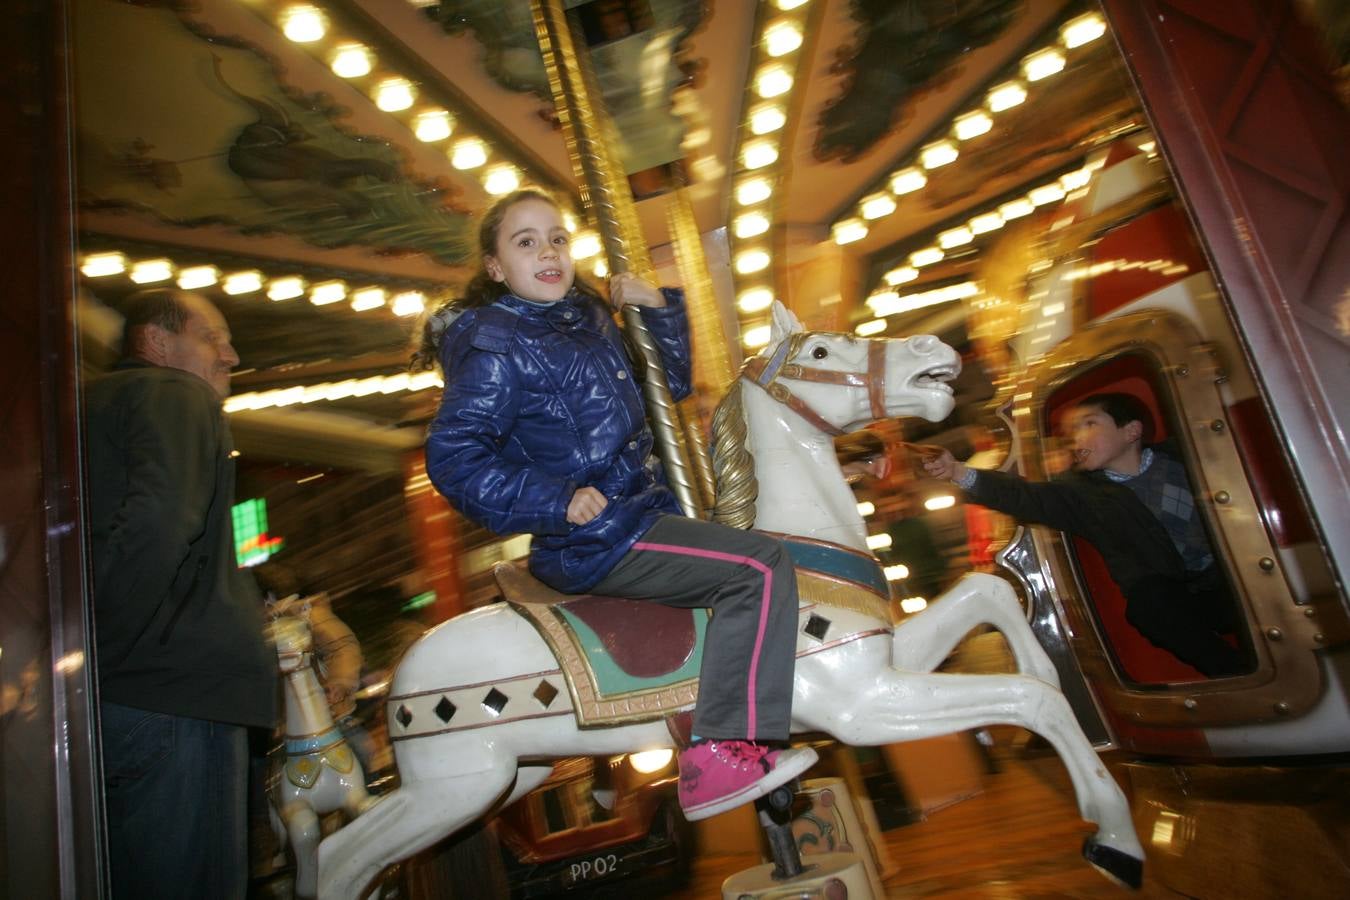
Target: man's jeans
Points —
{"points": [[176, 790]]}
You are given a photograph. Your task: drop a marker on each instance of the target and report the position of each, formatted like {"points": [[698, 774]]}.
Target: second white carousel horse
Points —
{"points": [[321, 774], [476, 712]]}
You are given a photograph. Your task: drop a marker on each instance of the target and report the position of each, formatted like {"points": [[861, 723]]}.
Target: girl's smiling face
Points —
{"points": [[533, 256]]}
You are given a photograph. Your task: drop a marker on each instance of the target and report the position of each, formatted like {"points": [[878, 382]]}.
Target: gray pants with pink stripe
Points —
{"points": [[747, 579]]}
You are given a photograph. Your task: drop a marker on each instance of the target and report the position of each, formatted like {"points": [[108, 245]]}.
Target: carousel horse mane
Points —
{"points": [[733, 461]]}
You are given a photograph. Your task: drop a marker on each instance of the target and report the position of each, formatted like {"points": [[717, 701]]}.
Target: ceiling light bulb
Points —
{"points": [[901, 275], [877, 206], [752, 261], [433, 125], [787, 5], [755, 300], [870, 327], [585, 245], [569, 222], [327, 292], [758, 154], [242, 283], [409, 303], [955, 237], [939, 153], [925, 257], [194, 277], [751, 224], [756, 337], [753, 191], [1015, 209], [351, 61], [368, 298], [601, 268], [97, 265], [971, 125], [773, 81], [303, 23], [394, 94], [501, 179], [469, 153], [1046, 193], [1072, 181], [986, 222], [1082, 30], [287, 288], [149, 271], [1005, 96], [1043, 63], [849, 230], [782, 37], [767, 118], [907, 181]]}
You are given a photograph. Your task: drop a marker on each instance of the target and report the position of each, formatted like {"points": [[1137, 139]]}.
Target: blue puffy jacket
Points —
{"points": [[539, 401]]}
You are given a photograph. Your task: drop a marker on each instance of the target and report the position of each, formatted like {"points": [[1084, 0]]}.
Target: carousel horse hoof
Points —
{"points": [[1119, 866]]}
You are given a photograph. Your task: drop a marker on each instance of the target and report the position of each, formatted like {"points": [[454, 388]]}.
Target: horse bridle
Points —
{"points": [[765, 372]]}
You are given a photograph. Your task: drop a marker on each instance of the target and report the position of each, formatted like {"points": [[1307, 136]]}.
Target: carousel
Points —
{"points": [[904, 230]]}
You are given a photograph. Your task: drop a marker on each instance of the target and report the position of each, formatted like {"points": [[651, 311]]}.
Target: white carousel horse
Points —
{"points": [[475, 717], [321, 774]]}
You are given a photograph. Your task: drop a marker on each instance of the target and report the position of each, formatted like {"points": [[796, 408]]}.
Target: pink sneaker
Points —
{"points": [[716, 776]]}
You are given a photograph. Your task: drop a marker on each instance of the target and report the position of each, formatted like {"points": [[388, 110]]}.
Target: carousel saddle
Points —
{"points": [[623, 660]]}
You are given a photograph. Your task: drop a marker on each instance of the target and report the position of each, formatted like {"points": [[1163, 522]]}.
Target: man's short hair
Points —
{"points": [[156, 306], [1123, 409]]}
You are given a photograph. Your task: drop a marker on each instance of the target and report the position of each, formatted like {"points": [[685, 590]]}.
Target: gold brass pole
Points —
{"points": [[605, 190]]}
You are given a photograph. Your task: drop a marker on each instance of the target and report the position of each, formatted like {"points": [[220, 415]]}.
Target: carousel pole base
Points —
{"points": [[830, 876]]}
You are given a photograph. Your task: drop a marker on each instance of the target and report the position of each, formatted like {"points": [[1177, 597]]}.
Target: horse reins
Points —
{"points": [[765, 372]]}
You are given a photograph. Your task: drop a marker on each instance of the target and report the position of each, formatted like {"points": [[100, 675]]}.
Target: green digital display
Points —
{"points": [[252, 543]]}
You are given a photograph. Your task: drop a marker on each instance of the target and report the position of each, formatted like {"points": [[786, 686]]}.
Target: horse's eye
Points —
{"points": [[819, 352]]}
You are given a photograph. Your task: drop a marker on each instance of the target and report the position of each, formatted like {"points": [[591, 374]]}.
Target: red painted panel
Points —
{"points": [[1163, 234], [1269, 475]]}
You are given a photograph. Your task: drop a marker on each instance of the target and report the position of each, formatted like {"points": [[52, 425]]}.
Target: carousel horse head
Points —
{"points": [[294, 643], [884, 378]]}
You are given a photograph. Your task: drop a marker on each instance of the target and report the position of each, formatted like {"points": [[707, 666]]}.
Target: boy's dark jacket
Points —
{"points": [[539, 401], [1133, 543], [179, 627]]}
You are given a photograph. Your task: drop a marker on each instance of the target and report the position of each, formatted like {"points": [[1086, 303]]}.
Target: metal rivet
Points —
{"points": [[1221, 497], [1319, 637], [1266, 563], [1282, 708], [1216, 426], [1189, 703], [1183, 371], [1274, 634], [1310, 612]]}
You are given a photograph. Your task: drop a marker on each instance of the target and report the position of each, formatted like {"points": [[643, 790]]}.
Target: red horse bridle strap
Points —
{"points": [[765, 372]]}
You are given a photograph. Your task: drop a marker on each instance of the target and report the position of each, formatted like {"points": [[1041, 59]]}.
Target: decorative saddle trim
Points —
{"points": [[604, 693]]}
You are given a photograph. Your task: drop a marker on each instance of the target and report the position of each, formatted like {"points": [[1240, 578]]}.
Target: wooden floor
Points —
{"points": [[1020, 838]]}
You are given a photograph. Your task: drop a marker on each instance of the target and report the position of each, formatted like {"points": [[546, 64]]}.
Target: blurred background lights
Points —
{"points": [[850, 230], [368, 298], [752, 261], [195, 277], [755, 337], [469, 153], [773, 81], [1082, 30], [782, 37], [287, 288], [972, 125], [870, 327], [1043, 63], [907, 181], [901, 274], [955, 237], [1006, 96], [755, 300], [149, 271], [585, 245], [351, 61], [433, 125], [877, 206], [409, 303], [939, 153], [751, 225], [327, 292], [98, 265], [767, 118], [242, 282], [394, 94], [941, 501], [925, 257], [501, 179], [758, 154], [753, 190], [303, 23]]}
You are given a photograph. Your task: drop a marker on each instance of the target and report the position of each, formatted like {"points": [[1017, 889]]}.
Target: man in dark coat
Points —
{"points": [[183, 667]]}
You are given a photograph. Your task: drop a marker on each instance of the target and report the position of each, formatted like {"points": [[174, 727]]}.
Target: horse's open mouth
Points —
{"points": [[936, 378]]}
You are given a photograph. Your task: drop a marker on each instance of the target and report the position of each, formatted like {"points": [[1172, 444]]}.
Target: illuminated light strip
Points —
{"points": [[1035, 66], [333, 390]]}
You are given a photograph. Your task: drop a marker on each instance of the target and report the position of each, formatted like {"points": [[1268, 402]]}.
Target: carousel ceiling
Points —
{"points": [[315, 166]]}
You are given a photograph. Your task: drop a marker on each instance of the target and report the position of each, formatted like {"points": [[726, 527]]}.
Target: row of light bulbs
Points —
{"points": [[307, 25], [759, 143], [250, 281], [334, 390], [1035, 67]]}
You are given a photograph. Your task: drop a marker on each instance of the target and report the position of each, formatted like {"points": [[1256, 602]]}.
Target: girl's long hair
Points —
{"points": [[481, 290]]}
